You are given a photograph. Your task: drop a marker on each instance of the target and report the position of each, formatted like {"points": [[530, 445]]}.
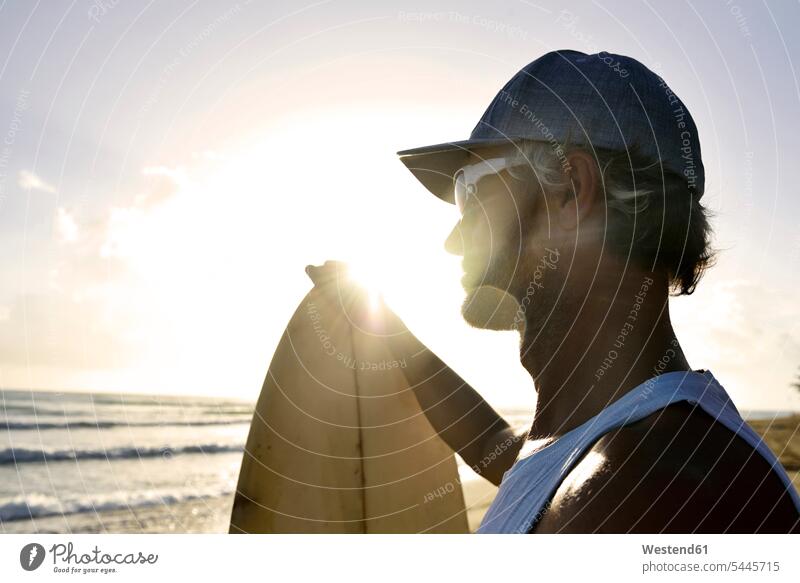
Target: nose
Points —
{"points": [[455, 240]]}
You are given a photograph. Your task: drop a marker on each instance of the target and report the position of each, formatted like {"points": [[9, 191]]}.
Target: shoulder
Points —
{"points": [[676, 471]]}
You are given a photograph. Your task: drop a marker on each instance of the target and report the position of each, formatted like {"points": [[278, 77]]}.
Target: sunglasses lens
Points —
{"points": [[460, 187]]}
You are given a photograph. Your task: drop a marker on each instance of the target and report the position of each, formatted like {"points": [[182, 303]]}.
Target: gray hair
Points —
{"points": [[652, 215]]}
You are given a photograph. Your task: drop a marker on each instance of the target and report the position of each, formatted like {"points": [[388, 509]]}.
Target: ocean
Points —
{"points": [[68, 453], [72, 462]]}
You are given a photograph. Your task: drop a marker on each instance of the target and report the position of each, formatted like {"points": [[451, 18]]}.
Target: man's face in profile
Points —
{"points": [[503, 237]]}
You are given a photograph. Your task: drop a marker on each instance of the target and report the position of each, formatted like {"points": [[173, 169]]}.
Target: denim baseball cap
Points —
{"points": [[597, 101]]}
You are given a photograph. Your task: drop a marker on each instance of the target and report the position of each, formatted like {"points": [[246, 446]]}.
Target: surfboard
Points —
{"points": [[338, 443]]}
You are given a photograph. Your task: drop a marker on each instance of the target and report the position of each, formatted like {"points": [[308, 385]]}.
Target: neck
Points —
{"points": [[593, 354]]}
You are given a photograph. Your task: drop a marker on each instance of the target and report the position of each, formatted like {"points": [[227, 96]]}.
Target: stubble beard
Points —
{"points": [[513, 297], [492, 301]]}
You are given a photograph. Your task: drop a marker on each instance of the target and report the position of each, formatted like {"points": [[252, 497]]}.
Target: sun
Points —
{"points": [[368, 280]]}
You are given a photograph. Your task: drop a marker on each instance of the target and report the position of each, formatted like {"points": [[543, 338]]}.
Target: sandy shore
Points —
{"points": [[207, 515], [198, 516], [212, 515], [782, 435]]}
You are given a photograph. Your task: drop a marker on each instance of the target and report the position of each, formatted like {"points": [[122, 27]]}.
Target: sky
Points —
{"points": [[168, 169]]}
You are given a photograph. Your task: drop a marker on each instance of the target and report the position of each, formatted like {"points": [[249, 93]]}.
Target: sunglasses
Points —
{"points": [[465, 180]]}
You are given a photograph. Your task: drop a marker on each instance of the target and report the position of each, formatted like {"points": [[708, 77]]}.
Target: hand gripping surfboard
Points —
{"points": [[338, 443]]}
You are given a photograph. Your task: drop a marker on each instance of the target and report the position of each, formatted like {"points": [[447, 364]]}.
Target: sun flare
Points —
{"points": [[367, 280]]}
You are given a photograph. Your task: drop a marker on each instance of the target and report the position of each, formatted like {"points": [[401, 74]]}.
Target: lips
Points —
{"points": [[465, 272], [467, 266], [469, 273]]}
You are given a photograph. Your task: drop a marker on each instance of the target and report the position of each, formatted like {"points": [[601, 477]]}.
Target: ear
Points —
{"points": [[577, 201]]}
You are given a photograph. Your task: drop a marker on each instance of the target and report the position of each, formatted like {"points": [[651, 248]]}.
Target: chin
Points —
{"points": [[491, 308]]}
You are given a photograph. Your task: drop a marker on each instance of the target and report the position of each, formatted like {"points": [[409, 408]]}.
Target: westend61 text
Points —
{"points": [[673, 550]]}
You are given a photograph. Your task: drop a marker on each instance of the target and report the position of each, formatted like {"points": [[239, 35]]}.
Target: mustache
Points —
{"points": [[504, 269]]}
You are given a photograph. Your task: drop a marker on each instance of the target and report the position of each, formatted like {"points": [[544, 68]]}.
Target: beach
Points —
{"points": [[94, 463], [782, 435], [83, 463], [205, 515]]}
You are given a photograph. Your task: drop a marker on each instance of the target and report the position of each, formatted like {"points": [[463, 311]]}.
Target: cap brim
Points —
{"points": [[435, 165]]}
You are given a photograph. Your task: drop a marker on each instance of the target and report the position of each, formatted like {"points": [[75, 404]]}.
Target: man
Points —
{"points": [[579, 192]]}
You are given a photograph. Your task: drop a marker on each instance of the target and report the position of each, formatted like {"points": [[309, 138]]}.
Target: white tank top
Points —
{"points": [[534, 478]]}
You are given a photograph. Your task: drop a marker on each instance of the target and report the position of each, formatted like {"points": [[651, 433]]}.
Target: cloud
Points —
{"points": [[66, 227], [29, 181], [209, 155], [746, 333], [177, 175], [163, 184], [90, 310]]}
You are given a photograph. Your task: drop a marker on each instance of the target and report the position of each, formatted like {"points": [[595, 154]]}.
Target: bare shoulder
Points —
{"points": [[676, 471]]}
